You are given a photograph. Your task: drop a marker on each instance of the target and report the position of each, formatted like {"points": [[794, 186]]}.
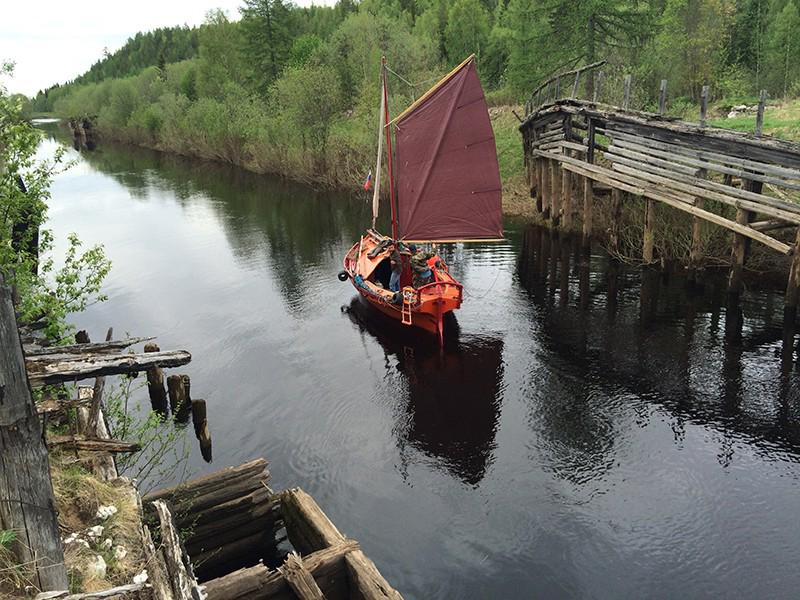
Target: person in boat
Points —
{"points": [[421, 271], [396, 262]]}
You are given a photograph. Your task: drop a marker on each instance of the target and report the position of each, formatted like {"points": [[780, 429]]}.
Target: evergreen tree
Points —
{"points": [[467, 30], [783, 52], [267, 34]]}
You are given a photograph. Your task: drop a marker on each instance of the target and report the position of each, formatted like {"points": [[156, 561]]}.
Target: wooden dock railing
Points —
{"points": [[734, 180]]}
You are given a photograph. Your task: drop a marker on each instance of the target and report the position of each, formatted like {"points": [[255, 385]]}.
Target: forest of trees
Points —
{"points": [[271, 87]]}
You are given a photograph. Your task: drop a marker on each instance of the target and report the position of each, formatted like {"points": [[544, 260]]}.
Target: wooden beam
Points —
{"points": [[80, 442], [300, 579], [63, 368], [27, 504], [93, 348], [638, 187]]}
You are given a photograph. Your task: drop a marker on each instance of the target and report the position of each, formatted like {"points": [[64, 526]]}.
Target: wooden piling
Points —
{"points": [[762, 101], [648, 241], [616, 218], [587, 212], [566, 198], [179, 397], [545, 188], [793, 284], [703, 106], [555, 192], [155, 384], [662, 98], [739, 253], [539, 185], [626, 93], [201, 432]]}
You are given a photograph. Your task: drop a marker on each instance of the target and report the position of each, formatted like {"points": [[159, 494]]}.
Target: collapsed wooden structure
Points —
{"points": [[574, 148], [233, 522]]}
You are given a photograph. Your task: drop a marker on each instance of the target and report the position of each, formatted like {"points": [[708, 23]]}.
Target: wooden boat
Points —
{"points": [[449, 190]]}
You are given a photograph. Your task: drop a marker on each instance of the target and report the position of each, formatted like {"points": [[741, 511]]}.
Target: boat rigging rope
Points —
{"points": [[491, 287], [413, 86]]}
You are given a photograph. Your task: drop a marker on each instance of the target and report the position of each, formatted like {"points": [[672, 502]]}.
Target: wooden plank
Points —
{"points": [[179, 568], [80, 442], [64, 368], [708, 192], [326, 566], [673, 149], [366, 582], [666, 129], [637, 187], [300, 579], [770, 224], [702, 164], [616, 153], [94, 348], [211, 482], [793, 284], [27, 505], [309, 529], [133, 591]]}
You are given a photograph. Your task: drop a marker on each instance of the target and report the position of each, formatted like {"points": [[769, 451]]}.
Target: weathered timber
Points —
{"points": [[641, 188], [648, 242], [212, 482], [626, 93], [184, 585], [101, 464], [309, 527], [89, 348], [26, 491], [677, 150], [178, 387], [546, 189], [554, 78], [793, 285], [555, 191], [201, 431], [762, 101], [97, 397], [696, 250], [676, 162], [58, 405], [709, 189], [155, 384], [619, 151], [671, 130], [260, 583], [703, 105], [133, 591], [738, 253], [80, 442], [770, 224], [616, 216], [566, 196], [300, 579], [662, 98], [366, 582], [64, 368], [587, 211]]}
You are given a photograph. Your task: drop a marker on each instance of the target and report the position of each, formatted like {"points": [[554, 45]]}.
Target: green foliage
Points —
{"points": [[467, 30], [267, 32], [164, 448], [26, 261]]}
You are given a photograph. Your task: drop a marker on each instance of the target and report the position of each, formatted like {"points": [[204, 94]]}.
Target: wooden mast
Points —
{"points": [[389, 163]]}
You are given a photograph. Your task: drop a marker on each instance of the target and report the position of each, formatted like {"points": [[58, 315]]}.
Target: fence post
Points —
{"points": [[703, 106], [626, 96], [662, 98], [27, 505], [762, 100]]}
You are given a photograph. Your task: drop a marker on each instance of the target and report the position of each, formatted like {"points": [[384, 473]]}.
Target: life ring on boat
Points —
{"points": [[343, 276]]}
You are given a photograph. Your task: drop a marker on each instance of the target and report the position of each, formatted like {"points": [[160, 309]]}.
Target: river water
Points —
{"points": [[581, 434]]}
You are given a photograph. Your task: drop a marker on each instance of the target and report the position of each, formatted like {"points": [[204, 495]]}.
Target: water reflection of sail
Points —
{"points": [[453, 394]]}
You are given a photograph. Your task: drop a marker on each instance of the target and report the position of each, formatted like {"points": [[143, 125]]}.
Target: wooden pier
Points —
{"points": [[582, 152]]}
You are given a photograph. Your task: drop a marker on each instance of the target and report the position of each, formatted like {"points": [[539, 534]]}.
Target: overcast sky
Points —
{"points": [[53, 41]]}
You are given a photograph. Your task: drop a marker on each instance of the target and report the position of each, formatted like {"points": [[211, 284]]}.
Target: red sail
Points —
{"points": [[448, 178]]}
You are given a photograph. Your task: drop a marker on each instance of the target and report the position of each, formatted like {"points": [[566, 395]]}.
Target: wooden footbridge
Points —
{"points": [[575, 149]]}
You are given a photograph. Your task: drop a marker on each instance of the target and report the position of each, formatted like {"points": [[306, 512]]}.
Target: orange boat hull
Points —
{"points": [[428, 304]]}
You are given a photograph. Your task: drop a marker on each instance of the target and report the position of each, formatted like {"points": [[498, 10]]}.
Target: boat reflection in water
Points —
{"points": [[452, 394]]}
